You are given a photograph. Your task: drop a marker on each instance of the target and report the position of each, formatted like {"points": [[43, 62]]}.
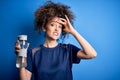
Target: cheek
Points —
{"points": [[49, 31], [61, 30]]}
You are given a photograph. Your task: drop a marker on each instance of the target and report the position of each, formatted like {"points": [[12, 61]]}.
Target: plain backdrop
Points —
{"points": [[97, 20]]}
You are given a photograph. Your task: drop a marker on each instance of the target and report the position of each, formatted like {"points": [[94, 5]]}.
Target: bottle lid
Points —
{"points": [[22, 37]]}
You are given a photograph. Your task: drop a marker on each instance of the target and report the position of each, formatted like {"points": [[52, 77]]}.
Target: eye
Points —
{"points": [[60, 26], [52, 24]]}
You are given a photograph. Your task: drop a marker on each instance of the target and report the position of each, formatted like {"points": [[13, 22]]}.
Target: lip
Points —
{"points": [[56, 33]]}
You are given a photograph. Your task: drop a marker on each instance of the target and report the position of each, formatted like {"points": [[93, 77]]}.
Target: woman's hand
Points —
{"points": [[67, 25], [17, 47]]}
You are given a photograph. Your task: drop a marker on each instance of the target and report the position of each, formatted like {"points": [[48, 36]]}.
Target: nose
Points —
{"points": [[56, 28]]}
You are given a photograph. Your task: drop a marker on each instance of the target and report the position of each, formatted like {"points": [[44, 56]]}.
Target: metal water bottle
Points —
{"points": [[22, 55]]}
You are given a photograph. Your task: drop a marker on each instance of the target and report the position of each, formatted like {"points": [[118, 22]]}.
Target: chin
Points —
{"points": [[55, 38]]}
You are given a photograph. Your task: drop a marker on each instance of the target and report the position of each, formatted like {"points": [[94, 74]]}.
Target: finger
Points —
{"points": [[17, 43], [62, 21], [66, 17], [17, 48], [17, 51], [28, 45]]}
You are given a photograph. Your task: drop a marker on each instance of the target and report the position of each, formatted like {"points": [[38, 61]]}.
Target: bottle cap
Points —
{"points": [[22, 37]]}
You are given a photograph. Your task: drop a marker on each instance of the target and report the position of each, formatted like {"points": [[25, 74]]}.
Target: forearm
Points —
{"points": [[87, 48], [88, 51], [23, 74]]}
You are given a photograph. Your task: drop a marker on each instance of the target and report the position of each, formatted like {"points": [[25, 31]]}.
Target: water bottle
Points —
{"points": [[22, 55]]}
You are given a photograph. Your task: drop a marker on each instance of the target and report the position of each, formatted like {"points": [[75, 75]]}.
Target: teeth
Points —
{"points": [[55, 33]]}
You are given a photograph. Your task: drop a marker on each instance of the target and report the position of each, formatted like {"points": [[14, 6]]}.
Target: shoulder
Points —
{"points": [[66, 45], [35, 49], [70, 46], [63, 45]]}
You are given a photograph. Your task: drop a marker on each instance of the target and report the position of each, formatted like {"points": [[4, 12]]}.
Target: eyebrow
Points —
{"points": [[56, 22]]}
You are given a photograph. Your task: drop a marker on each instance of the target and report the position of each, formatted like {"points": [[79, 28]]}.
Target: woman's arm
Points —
{"points": [[24, 74], [87, 51]]}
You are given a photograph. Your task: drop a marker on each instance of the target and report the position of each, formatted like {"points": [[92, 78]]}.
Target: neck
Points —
{"points": [[50, 44]]}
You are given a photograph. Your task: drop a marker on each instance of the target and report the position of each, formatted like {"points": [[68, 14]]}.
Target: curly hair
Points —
{"points": [[50, 10]]}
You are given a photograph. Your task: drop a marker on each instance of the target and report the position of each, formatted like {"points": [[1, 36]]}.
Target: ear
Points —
{"points": [[44, 29]]}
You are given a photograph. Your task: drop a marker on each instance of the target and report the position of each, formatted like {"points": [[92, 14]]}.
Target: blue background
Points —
{"points": [[97, 20]]}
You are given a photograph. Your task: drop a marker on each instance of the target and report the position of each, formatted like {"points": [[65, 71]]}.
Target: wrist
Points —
{"points": [[73, 32]]}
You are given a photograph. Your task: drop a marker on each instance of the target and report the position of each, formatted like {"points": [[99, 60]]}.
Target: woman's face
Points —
{"points": [[53, 29]]}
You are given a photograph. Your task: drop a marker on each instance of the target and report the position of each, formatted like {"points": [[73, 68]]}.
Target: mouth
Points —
{"points": [[56, 34]]}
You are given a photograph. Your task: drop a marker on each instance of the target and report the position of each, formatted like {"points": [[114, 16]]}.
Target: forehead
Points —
{"points": [[54, 20]]}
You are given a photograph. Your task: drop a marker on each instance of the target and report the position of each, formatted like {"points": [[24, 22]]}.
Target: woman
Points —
{"points": [[53, 60]]}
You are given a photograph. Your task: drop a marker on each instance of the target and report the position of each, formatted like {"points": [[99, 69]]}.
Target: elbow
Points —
{"points": [[94, 55]]}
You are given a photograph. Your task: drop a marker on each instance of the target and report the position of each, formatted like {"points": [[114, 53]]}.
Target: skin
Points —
{"points": [[53, 30]]}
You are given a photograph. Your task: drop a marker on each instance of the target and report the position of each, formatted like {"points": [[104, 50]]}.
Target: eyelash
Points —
{"points": [[60, 26], [53, 25]]}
